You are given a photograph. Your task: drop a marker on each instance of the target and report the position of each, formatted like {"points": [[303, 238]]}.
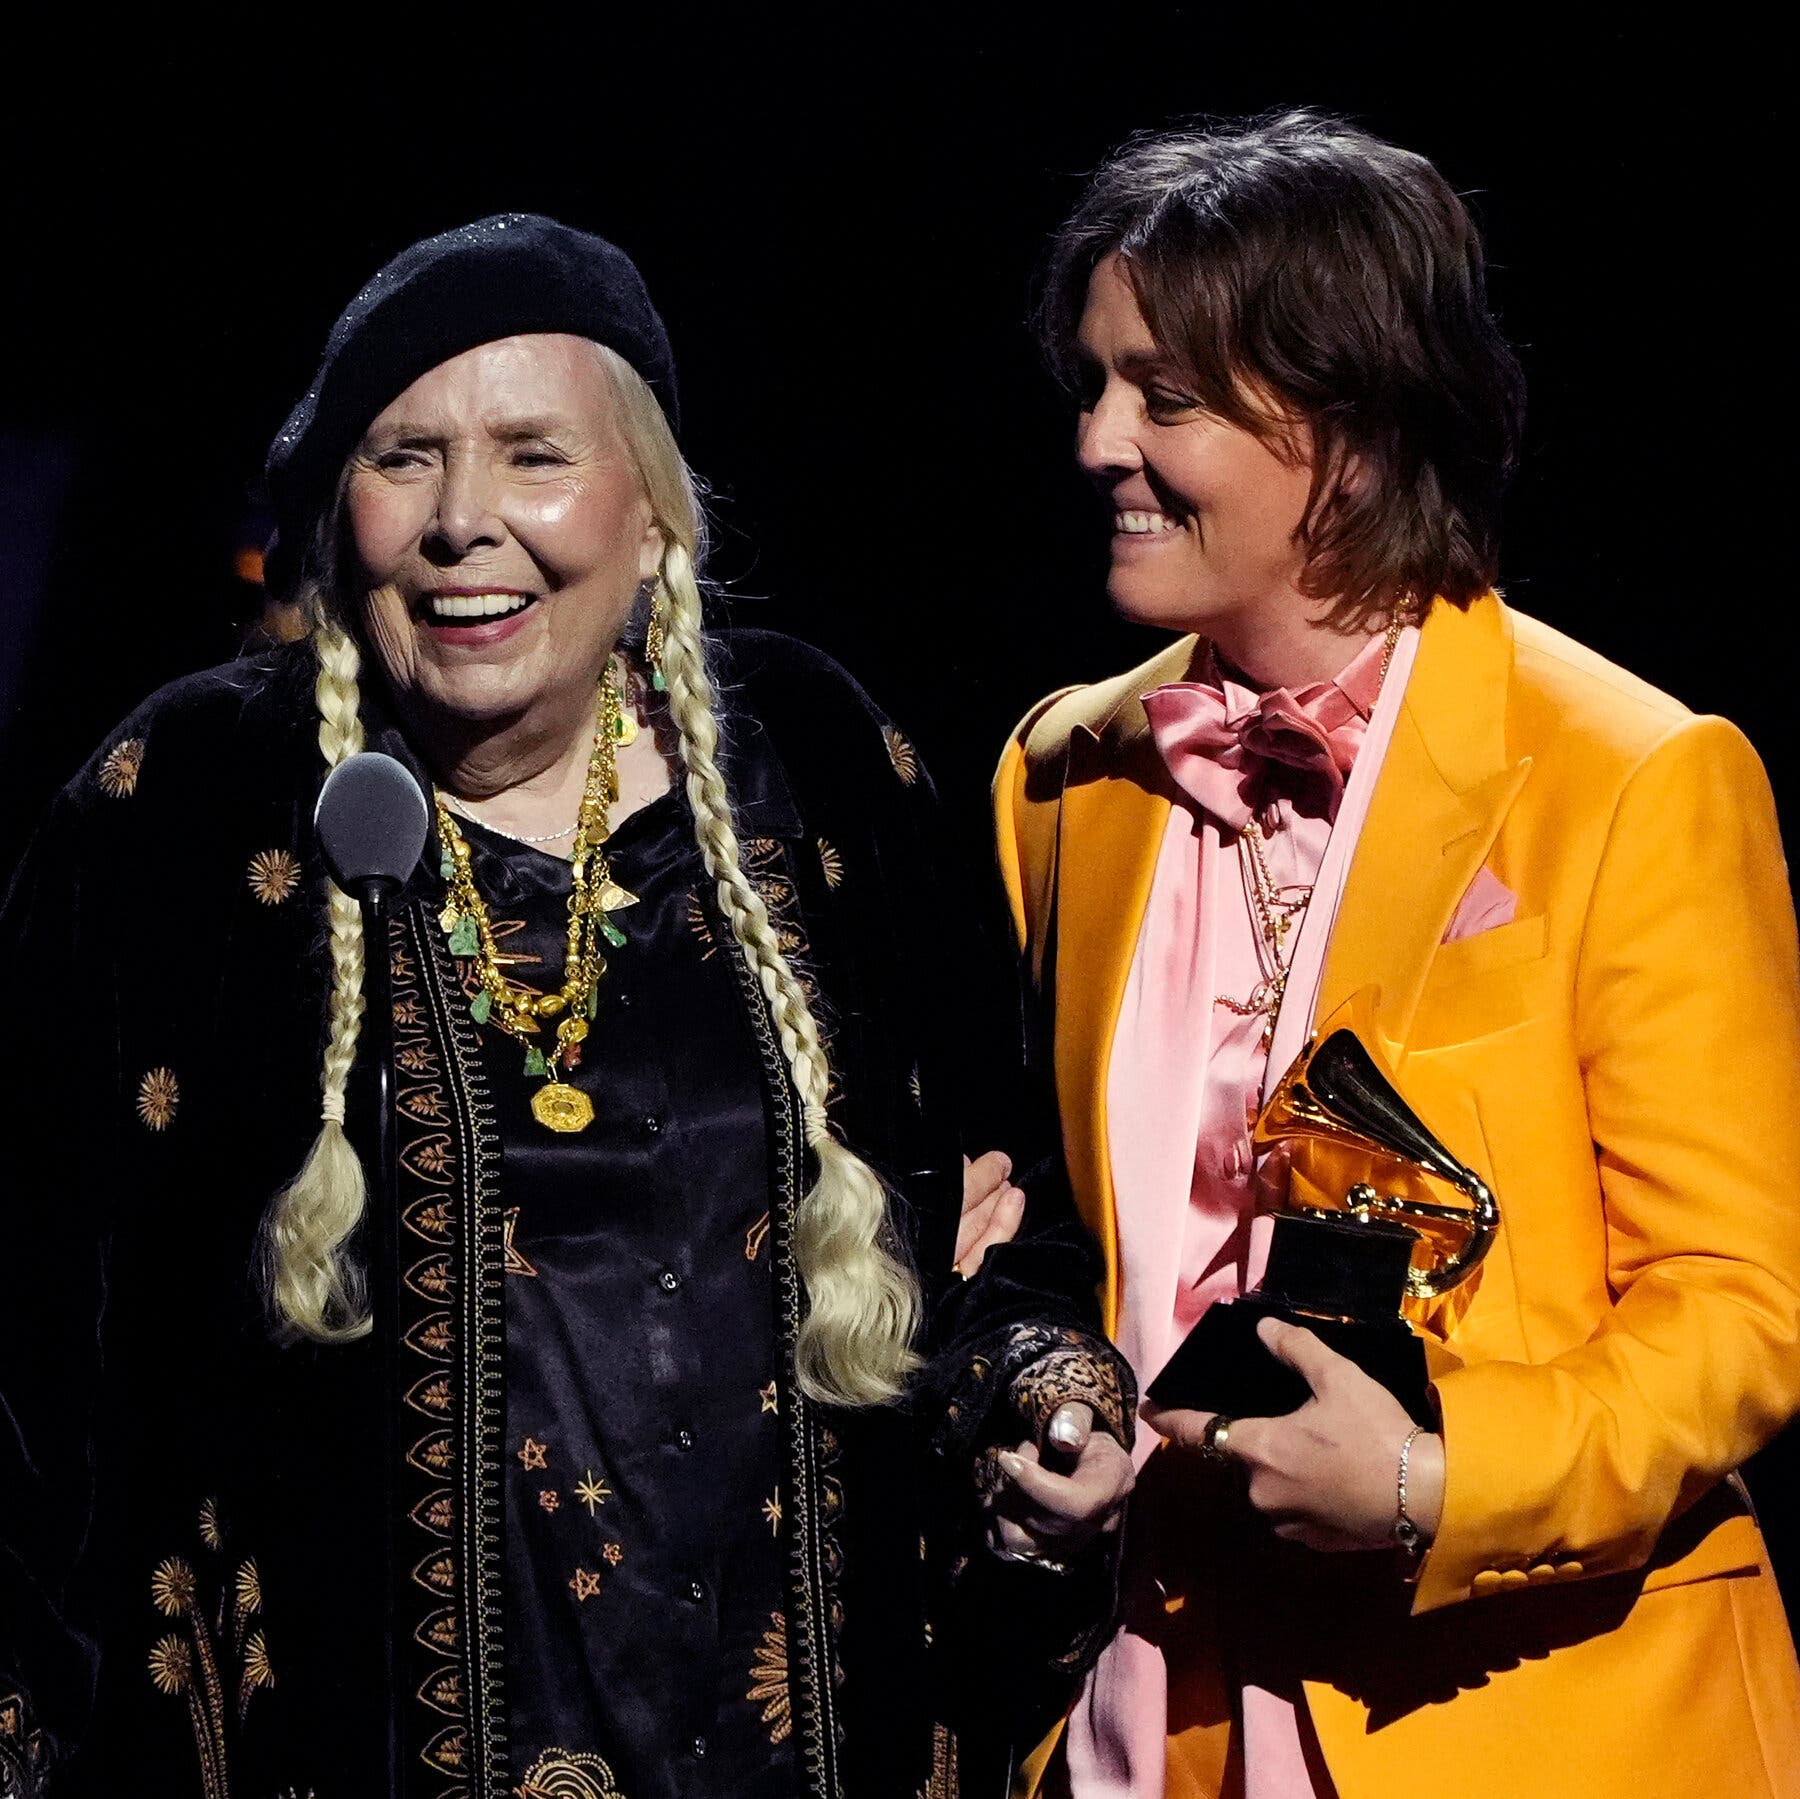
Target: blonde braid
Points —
{"points": [[854, 1346], [316, 1289]]}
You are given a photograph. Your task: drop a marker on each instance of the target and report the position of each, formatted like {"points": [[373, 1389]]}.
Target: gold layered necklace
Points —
{"points": [[593, 897], [1276, 909]]}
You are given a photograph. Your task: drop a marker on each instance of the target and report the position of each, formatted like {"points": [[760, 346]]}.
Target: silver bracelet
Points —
{"points": [[1407, 1534]]}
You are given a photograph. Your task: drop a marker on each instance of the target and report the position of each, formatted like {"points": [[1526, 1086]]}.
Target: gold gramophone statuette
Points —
{"points": [[1342, 1271]]}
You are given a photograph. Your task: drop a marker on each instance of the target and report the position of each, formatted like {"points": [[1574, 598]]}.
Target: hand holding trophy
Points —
{"points": [[1330, 1305]]}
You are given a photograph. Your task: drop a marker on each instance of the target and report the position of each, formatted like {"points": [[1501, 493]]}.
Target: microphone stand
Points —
{"points": [[381, 1235]]}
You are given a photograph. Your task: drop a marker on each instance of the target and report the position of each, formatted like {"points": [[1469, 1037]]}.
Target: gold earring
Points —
{"points": [[656, 639]]}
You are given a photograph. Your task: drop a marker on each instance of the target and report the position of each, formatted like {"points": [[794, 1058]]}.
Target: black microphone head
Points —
{"points": [[372, 822]]}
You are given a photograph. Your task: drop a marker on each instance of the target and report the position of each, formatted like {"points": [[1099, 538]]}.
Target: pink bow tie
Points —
{"points": [[1235, 751]]}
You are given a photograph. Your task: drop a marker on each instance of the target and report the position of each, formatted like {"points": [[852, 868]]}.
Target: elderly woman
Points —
{"points": [[1357, 770], [691, 1409]]}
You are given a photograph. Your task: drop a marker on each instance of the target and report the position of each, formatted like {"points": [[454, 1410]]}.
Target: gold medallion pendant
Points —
{"points": [[559, 1107]]}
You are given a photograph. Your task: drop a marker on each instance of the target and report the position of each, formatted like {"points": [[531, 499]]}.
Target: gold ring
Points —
{"points": [[1215, 1439]]}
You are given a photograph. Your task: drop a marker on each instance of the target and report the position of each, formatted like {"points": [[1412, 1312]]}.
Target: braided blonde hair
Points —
{"points": [[318, 1291], [863, 1303]]}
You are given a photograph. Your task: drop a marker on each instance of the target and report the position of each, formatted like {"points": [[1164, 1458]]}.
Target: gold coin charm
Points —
{"points": [[559, 1107]]}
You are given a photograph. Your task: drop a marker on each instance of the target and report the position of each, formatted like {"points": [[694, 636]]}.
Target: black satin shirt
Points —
{"points": [[643, 1455]]}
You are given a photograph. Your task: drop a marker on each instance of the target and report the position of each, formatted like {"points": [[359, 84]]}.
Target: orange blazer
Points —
{"points": [[1597, 1616]]}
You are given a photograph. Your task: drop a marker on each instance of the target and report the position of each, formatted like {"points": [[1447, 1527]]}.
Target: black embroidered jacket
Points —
{"points": [[190, 1514]]}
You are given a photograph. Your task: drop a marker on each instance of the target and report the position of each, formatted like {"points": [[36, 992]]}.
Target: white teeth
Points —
{"points": [[477, 605], [1142, 524]]}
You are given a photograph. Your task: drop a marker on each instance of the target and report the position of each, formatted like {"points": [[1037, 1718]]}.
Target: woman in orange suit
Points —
{"points": [[1562, 900]]}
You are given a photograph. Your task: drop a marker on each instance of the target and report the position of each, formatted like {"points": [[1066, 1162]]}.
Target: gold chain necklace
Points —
{"points": [[593, 898], [1277, 909]]}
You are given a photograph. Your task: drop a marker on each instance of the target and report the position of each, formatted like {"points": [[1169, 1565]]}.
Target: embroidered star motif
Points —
{"points": [[515, 1262], [614, 1554], [549, 1499], [755, 1237], [593, 1492], [584, 1585], [768, 1398], [531, 1454], [771, 1511]]}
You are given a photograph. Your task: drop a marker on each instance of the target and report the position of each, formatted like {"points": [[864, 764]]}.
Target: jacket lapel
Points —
{"points": [[1115, 807], [1445, 789]]}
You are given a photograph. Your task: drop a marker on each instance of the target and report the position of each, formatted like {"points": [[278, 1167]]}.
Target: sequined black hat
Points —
{"points": [[500, 277]]}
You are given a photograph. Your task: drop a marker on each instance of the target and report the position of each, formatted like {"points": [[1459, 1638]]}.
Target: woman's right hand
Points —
{"points": [[992, 1209]]}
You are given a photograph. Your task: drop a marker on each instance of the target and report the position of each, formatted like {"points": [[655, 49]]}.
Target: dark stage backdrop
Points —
{"points": [[839, 213]]}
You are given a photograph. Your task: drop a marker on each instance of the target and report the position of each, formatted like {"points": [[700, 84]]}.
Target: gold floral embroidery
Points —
{"points": [[213, 1660], [832, 863], [769, 1679], [946, 1780], [119, 772], [902, 754], [158, 1098], [273, 876], [568, 1774]]}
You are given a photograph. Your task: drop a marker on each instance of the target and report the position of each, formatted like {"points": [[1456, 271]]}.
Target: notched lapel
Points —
{"points": [[1445, 789]]}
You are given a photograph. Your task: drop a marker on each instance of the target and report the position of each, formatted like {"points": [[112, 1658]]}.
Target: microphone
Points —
{"points": [[372, 822]]}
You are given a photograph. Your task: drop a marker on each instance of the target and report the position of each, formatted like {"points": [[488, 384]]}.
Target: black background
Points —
{"points": [[839, 213]]}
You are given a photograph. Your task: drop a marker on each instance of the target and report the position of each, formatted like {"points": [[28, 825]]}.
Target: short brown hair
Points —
{"points": [[1300, 260]]}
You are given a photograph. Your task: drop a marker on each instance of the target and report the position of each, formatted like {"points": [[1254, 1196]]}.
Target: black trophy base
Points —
{"points": [[1224, 1367]]}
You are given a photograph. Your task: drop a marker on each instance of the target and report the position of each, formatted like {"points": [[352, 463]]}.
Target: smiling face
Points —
{"points": [[502, 534], [1205, 514]]}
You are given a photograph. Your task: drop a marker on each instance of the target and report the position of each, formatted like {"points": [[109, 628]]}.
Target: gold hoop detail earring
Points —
{"points": [[656, 638]]}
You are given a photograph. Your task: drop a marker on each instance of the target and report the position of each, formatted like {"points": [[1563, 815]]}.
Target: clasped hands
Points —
{"points": [[1050, 1498], [1325, 1475]]}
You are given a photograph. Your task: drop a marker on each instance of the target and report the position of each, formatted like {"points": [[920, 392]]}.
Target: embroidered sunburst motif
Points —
{"points": [[171, 1665], [212, 1525], [273, 875], [902, 754], [119, 771], [257, 1671], [569, 1774], [248, 1595], [832, 863], [172, 1587], [592, 1491], [771, 1511], [769, 1679], [158, 1098]]}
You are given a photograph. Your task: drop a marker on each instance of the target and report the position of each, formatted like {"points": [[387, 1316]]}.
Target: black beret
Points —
{"points": [[504, 276]]}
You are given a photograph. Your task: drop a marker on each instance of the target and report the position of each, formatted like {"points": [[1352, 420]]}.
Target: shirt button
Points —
{"points": [[668, 1280], [623, 1001], [652, 1124], [696, 1591], [684, 1438], [698, 1745]]}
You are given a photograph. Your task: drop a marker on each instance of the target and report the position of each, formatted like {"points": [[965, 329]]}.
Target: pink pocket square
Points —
{"points": [[1488, 904]]}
